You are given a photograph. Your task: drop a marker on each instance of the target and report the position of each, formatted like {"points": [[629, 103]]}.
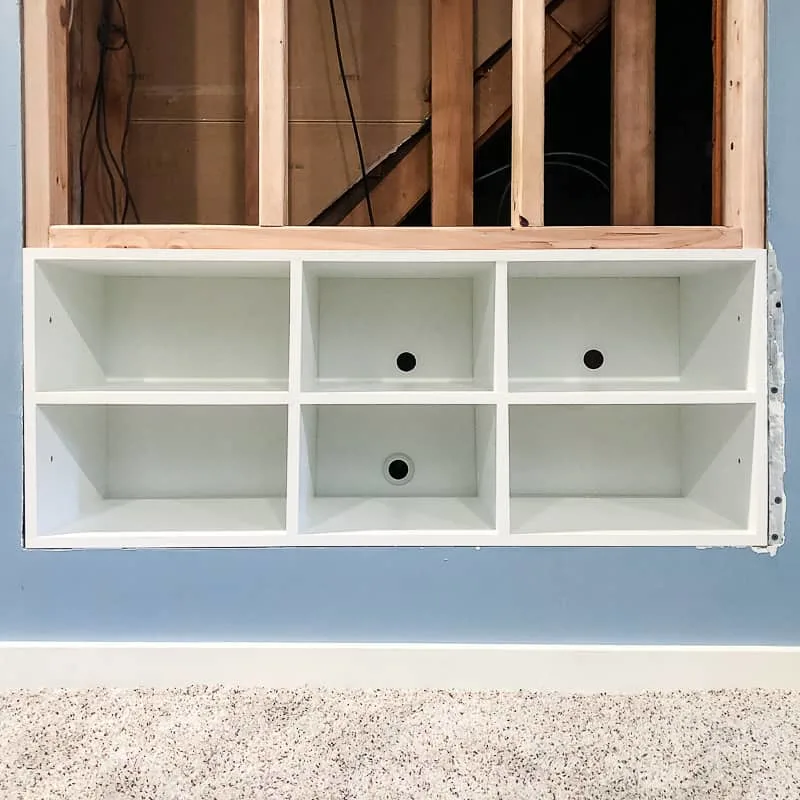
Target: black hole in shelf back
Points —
{"points": [[398, 469], [593, 359], [406, 362]]}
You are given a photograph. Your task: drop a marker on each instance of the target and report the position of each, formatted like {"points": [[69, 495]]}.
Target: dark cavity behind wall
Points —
{"points": [[578, 120]]}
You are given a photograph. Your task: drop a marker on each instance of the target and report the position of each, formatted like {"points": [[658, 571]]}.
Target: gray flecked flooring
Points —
{"points": [[221, 744]]}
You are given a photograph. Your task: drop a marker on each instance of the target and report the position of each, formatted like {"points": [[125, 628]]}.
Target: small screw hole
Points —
{"points": [[778, 500], [593, 359], [50, 320], [774, 537], [779, 304], [406, 362], [774, 390], [738, 317], [738, 460], [51, 459]]}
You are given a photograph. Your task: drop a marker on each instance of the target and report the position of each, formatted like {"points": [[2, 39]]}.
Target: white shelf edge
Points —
{"points": [[635, 397], [162, 397], [231, 539], [399, 398], [394, 255]]}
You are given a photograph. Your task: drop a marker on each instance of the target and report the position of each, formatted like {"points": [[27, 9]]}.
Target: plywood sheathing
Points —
{"points": [[186, 143]]}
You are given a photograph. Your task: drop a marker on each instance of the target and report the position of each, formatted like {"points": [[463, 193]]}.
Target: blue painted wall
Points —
{"points": [[529, 595]]}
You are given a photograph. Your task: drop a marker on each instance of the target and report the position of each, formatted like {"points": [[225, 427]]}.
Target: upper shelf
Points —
{"points": [[212, 327]]}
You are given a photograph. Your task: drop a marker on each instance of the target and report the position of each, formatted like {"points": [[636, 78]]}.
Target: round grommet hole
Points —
{"points": [[778, 500], [774, 537], [593, 359], [398, 469], [406, 362]]}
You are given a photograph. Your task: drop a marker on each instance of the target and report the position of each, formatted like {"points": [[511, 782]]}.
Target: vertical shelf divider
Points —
{"points": [[503, 502], [293, 488]]}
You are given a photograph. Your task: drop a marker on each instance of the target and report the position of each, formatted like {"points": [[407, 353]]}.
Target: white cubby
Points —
{"points": [[604, 468], [145, 470], [678, 324], [248, 398], [397, 468], [415, 325], [144, 326]]}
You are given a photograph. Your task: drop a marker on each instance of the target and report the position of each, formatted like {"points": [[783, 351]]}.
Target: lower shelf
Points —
{"points": [[360, 514], [599, 515], [189, 516]]}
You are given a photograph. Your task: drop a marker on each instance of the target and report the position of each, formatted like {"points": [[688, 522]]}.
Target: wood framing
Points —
{"points": [[738, 173], [527, 123], [718, 122], [273, 117], [338, 238], [452, 174], [633, 69], [251, 112], [744, 187], [46, 118]]}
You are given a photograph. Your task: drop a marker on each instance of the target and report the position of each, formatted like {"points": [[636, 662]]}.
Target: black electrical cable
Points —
{"points": [[130, 203], [97, 111], [350, 108]]}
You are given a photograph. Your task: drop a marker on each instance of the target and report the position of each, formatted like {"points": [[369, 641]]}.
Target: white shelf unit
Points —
{"points": [[243, 398]]}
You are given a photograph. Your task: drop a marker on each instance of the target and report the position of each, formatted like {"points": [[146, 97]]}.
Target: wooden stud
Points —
{"points": [[406, 184], [273, 133], [633, 173], [46, 118], [251, 104], [744, 169], [718, 121], [527, 121], [451, 112], [346, 238]]}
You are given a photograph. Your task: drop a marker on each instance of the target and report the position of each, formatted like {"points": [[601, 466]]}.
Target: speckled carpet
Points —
{"points": [[221, 744]]}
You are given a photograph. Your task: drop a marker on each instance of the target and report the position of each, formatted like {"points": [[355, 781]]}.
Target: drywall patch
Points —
{"points": [[775, 406]]}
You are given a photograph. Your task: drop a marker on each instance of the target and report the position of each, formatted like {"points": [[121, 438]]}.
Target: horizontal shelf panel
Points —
{"points": [[642, 396], [600, 515], [343, 514], [404, 386], [135, 518], [417, 538], [399, 398], [147, 396]]}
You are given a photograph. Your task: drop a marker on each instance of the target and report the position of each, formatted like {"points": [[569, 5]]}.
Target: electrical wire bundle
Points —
{"points": [[112, 37]]}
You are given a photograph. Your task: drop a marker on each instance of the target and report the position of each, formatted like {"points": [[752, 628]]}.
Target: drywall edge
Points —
{"points": [[776, 442]]}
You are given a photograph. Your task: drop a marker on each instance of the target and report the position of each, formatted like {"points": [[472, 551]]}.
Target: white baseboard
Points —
{"points": [[566, 668]]}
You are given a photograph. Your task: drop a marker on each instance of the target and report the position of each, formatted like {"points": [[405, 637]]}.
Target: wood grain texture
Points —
{"points": [[745, 96], [527, 123], [406, 184], [251, 104], [718, 121], [346, 238], [633, 171], [46, 70], [273, 113], [452, 95]]}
